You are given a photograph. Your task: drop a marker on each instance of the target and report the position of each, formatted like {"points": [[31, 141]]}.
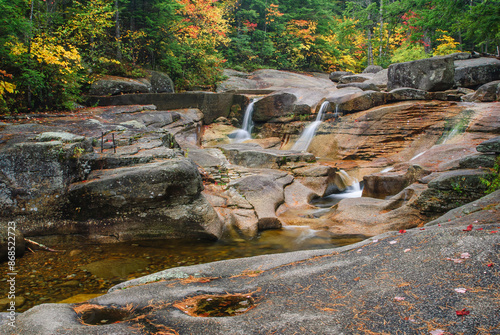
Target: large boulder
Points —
{"points": [[488, 92], [430, 74], [288, 103], [451, 189], [337, 75], [161, 82], [156, 200], [265, 192], [373, 69], [357, 101], [491, 145], [381, 185], [112, 85], [477, 71]]}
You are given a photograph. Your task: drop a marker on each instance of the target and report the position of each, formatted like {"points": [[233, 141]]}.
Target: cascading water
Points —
{"points": [[353, 190], [308, 134], [246, 128]]}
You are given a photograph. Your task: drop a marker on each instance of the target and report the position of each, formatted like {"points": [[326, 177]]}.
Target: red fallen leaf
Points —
{"points": [[463, 312], [490, 265], [422, 228], [402, 231], [469, 228], [493, 231], [479, 228]]}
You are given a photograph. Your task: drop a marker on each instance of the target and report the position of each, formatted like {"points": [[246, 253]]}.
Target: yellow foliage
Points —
{"points": [[45, 49], [447, 44], [5, 87]]}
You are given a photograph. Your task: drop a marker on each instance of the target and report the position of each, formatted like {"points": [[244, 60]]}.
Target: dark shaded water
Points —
{"points": [[82, 270]]}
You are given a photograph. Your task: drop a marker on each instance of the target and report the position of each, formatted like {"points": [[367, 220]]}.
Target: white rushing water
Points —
{"points": [[308, 134], [245, 133], [353, 190], [418, 155]]}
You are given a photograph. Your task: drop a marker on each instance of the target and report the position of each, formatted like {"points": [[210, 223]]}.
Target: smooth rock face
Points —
{"points": [[477, 71], [267, 81], [431, 74], [252, 155]]}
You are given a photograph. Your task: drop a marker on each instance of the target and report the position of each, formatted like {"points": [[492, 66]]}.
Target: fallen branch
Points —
{"points": [[41, 246]]}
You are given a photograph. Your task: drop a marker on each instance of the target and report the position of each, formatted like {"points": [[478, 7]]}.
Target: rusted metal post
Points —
{"points": [[102, 142], [114, 143]]}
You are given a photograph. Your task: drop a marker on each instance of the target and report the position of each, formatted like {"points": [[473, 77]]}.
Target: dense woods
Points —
{"points": [[51, 50]]}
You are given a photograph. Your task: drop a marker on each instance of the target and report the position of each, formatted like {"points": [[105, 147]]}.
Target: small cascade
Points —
{"points": [[353, 190], [387, 169], [418, 155], [336, 115], [308, 134], [245, 132]]}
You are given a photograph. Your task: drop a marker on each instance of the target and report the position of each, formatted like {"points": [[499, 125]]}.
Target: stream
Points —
{"points": [[85, 271]]}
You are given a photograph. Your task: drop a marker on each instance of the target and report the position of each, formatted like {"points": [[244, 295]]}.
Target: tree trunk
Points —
{"points": [[381, 33], [117, 33]]}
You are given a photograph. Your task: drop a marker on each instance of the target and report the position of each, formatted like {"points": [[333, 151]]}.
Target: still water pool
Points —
{"points": [[83, 271]]}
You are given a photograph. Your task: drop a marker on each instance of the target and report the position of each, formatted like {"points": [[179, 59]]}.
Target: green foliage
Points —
{"points": [[493, 181], [50, 52], [409, 52]]}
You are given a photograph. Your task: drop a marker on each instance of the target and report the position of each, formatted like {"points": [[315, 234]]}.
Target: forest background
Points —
{"points": [[52, 50]]}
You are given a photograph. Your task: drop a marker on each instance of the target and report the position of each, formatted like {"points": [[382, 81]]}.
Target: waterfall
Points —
{"points": [[353, 190], [245, 132], [307, 135]]}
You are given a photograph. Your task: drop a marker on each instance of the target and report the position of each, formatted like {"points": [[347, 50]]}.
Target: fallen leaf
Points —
{"points": [[490, 265], [406, 250], [463, 312], [402, 231], [460, 290], [393, 242], [493, 231], [479, 228], [469, 228], [399, 298], [437, 332], [465, 255]]}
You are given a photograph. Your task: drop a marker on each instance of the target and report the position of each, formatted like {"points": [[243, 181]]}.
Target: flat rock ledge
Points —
{"points": [[412, 282]]}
